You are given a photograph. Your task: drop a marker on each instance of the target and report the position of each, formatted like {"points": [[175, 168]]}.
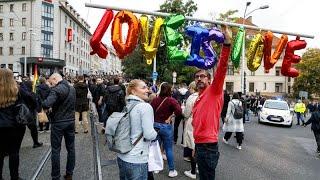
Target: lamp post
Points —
{"points": [[174, 77], [243, 73]]}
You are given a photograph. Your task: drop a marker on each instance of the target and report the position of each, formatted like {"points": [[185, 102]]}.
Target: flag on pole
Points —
{"points": [[35, 79]]}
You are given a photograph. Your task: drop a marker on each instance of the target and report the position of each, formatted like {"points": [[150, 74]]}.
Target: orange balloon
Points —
{"points": [[280, 47], [268, 36], [123, 49]]}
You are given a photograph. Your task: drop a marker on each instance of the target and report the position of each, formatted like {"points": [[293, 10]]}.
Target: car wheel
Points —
{"points": [[259, 120], [289, 126]]}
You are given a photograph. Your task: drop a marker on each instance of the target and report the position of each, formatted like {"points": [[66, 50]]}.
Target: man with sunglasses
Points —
{"points": [[206, 112]]}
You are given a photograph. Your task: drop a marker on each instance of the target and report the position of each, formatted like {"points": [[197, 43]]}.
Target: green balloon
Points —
{"points": [[237, 47], [174, 38]]}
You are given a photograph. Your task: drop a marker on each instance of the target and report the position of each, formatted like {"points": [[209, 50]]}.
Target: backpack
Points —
{"points": [[114, 101], [118, 131], [238, 111]]}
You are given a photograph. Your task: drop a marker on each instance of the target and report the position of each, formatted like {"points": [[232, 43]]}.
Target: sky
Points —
{"points": [[292, 16]]}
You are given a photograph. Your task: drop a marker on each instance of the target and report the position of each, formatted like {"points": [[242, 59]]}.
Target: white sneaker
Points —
{"points": [[190, 175], [164, 157], [239, 147], [156, 172], [173, 173], [187, 159], [225, 141]]}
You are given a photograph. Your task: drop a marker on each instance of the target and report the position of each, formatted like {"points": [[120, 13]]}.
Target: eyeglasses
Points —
{"points": [[201, 76]]}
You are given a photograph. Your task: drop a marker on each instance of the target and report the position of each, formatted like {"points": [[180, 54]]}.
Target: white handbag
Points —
{"points": [[155, 161]]}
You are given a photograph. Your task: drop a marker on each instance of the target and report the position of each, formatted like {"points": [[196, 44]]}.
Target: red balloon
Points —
{"points": [[290, 57], [121, 48], [95, 41]]}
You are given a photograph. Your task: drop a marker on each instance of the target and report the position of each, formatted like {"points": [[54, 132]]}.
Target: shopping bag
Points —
{"points": [[42, 117], [155, 162]]}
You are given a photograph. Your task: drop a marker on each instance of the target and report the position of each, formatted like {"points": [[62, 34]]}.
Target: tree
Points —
{"points": [[135, 65], [309, 77]]}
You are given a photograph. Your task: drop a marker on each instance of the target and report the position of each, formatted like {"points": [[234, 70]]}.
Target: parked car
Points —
{"points": [[276, 112]]}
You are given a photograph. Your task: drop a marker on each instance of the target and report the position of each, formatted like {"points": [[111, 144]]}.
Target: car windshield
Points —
{"points": [[276, 105]]}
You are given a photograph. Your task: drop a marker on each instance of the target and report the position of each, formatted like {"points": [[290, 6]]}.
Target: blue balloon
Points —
{"points": [[197, 33]]}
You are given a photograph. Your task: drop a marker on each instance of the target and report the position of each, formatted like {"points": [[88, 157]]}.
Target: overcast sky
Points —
{"points": [[294, 15]]}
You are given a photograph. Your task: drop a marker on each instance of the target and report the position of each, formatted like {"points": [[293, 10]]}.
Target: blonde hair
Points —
{"points": [[133, 84], [193, 86], [8, 88]]}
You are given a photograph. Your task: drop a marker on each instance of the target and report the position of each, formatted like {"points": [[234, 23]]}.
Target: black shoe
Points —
{"points": [[298, 124], [36, 145], [85, 132], [67, 177], [19, 178]]}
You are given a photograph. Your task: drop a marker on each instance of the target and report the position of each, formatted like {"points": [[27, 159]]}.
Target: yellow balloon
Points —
{"points": [[150, 47], [255, 53]]}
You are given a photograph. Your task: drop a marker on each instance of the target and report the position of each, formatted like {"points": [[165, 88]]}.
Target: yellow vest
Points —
{"points": [[300, 107]]}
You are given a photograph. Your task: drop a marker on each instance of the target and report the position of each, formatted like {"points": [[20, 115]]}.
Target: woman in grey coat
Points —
{"points": [[231, 124]]}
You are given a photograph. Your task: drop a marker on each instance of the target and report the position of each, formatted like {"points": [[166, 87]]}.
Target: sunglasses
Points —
{"points": [[201, 76]]}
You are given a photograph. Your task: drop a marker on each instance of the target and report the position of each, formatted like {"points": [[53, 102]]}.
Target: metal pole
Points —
{"points": [[41, 165], [154, 70], [25, 65], [198, 19]]}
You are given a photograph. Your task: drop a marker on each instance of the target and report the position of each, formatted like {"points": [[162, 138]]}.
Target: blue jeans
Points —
{"points": [[59, 130], [132, 171], [300, 117], [165, 137], [207, 156]]}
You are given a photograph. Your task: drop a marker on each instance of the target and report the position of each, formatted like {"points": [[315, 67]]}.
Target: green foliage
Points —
{"points": [[309, 68], [135, 65]]}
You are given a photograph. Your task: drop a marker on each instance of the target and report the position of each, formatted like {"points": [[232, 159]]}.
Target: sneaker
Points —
{"points": [[225, 141], [187, 159], [36, 145], [190, 175], [173, 173], [239, 147], [156, 172], [164, 157]]}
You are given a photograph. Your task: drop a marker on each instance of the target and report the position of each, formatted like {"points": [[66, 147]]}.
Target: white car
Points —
{"points": [[276, 112]]}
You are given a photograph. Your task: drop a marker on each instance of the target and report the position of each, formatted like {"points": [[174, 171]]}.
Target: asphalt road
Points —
{"points": [[268, 152]]}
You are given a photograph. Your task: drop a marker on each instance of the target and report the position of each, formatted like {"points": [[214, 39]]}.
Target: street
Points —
{"points": [[268, 152]]}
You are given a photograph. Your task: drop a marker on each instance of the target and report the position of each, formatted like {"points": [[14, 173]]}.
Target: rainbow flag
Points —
{"points": [[35, 78]]}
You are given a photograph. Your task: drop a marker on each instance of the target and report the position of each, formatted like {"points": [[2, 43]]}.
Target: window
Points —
{"points": [[65, 19], [265, 86], [278, 69], [10, 66], [46, 52], [251, 87], [65, 56], [11, 36], [1, 8], [24, 34], [24, 20], [11, 21], [10, 50], [24, 7], [230, 70], [289, 79], [252, 73], [229, 86], [1, 36], [278, 87], [11, 7], [289, 89], [1, 20], [1, 53], [23, 50]]}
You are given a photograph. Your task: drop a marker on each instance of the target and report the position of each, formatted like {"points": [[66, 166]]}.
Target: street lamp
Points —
{"points": [[174, 77], [25, 54], [243, 73]]}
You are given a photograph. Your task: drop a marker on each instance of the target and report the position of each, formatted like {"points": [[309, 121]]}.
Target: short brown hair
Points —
{"points": [[205, 71]]}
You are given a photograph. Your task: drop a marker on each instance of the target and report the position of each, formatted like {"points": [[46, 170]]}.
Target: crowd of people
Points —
{"points": [[157, 114]]}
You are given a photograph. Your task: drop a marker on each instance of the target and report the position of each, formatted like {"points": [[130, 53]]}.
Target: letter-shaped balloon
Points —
{"points": [[290, 57], [174, 38], [121, 48], [197, 33], [270, 61], [95, 42], [150, 47], [255, 53], [237, 47]]}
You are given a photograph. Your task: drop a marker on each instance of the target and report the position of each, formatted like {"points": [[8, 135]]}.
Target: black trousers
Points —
{"points": [[33, 132], [239, 137], [317, 136], [10, 143], [177, 121]]}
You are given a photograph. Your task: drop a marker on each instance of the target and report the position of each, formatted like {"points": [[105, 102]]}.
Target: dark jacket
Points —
{"points": [[43, 91], [314, 121], [62, 99], [226, 100], [99, 91], [114, 99], [8, 114], [82, 103]]}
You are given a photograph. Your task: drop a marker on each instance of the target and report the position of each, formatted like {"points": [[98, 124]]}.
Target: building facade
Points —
{"points": [[272, 83], [112, 64], [44, 32]]}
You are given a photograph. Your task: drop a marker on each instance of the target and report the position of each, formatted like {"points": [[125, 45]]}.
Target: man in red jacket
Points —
{"points": [[206, 112]]}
